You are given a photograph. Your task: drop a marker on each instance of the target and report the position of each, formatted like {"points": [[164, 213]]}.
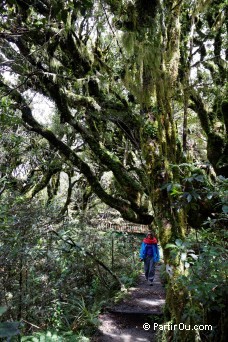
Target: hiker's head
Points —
{"points": [[150, 235]]}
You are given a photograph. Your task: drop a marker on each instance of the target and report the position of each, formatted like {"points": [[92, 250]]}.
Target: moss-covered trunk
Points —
{"points": [[163, 153]]}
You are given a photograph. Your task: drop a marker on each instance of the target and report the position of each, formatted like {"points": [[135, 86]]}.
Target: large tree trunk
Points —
{"points": [[163, 151]]}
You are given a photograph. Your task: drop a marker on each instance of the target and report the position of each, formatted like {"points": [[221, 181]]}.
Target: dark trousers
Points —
{"points": [[149, 268]]}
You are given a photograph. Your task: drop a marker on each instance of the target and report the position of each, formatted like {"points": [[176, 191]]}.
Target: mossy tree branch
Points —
{"points": [[129, 211], [53, 168], [216, 143]]}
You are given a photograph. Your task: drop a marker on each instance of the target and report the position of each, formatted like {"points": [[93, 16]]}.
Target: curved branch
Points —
{"points": [[129, 211], [112, 162], [52, 170]]}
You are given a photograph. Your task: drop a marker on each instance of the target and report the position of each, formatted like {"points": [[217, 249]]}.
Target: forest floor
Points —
{"points": [[125, 321]]}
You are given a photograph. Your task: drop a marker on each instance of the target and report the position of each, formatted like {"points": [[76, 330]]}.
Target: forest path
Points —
{"points": [[124, 321]]}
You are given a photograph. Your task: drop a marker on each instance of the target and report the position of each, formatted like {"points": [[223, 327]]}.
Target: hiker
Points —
{"points": [[149, 253]]}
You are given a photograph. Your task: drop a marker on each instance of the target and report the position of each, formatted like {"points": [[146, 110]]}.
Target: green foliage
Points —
{"points": [[8, 117], [8, 329], [86, 319], [53, 287], [196, 192], [130, 279], [50, 336], [203, 279], [180, 254], [207, 287], [201, 259], [150, 130]]}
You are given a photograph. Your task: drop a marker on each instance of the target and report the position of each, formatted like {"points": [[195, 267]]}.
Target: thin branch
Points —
{"points": [[15, 88], [33, 325], [204, 61], [179, 3], [5, 63], [110, 26], [2, 190]]}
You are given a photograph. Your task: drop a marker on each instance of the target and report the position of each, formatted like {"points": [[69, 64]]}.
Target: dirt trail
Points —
{"points": [[124, 321]]}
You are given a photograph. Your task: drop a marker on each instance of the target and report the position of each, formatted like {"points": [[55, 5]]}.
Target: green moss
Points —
{"points": [[128, 40]]}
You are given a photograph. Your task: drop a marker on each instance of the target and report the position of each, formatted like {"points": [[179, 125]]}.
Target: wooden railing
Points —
{"points": [[122, 227]]}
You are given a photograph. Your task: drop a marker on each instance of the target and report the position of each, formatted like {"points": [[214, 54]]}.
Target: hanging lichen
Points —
{"points": [[128, 41]]}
